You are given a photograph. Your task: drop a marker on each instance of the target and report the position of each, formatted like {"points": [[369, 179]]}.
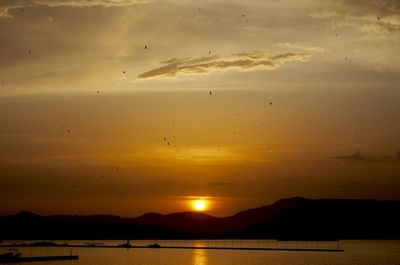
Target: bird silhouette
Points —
{"points": [[145, 46]]}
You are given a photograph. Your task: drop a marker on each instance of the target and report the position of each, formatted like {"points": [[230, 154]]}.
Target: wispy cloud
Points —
{"points": [[239, 61], [6, 6], [364, 15]]}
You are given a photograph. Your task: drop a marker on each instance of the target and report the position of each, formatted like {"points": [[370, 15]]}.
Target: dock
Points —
{"points": [[250, 248], [188, 247], [210, 245], [33, 259]]}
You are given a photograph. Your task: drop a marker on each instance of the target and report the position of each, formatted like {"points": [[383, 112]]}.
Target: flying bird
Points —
{"points": [[210, 93], [209, 52], [29, 51], [145, 47]]}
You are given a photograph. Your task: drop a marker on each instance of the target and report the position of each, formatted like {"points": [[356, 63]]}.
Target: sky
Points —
{"points": [[132, 106]]}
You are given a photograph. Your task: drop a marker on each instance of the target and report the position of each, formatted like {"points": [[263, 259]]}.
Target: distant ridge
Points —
{"points": [[287, 219]]}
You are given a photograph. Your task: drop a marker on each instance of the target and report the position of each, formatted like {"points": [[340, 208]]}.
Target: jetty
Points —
{"points": [[15, 259], [209, 245]]}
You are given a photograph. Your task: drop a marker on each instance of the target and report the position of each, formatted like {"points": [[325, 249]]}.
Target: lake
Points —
{"points": [[356, 252]]}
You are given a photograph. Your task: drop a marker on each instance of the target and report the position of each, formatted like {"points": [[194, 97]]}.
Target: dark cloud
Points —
{"points": [[358, 157], [240, 61], [355, 157]]}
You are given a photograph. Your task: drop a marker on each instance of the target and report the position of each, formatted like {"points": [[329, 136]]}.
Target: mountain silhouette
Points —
{"points": [[287, 219]]}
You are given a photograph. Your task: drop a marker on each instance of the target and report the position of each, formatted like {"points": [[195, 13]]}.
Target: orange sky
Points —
{"points": [[105, 106]]}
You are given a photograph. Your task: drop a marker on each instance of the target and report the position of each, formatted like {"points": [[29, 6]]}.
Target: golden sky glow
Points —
{"points": [[132, 106]]}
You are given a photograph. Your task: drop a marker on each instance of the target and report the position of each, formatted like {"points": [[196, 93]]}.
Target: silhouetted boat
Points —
{"points": [[155, 245]]}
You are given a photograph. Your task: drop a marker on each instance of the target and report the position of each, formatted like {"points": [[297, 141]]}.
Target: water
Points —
{"points": [[356, 252]]}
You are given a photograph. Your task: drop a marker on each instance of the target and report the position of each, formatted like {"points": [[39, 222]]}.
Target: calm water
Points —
{"points": [[356, 252]]}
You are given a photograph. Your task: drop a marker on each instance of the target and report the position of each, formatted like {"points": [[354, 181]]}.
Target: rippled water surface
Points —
{"points": [[356, 252]]}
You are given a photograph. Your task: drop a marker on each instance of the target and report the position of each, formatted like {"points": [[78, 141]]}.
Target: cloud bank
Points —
{"points": [[7, 5], [239, 61]]}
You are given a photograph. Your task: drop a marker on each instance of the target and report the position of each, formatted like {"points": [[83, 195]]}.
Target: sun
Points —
{"points": [[199, 205]]}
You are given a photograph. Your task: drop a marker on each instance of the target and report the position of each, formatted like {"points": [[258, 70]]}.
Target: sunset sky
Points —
{"points": [[133, 106]]}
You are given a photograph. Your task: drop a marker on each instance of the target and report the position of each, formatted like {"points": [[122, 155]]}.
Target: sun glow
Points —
{"points": [[199, 205]]}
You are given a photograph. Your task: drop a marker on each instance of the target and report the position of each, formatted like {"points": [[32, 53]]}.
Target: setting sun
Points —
{"points": [[199, 205]]}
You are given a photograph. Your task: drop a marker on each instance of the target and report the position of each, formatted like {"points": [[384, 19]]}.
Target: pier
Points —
{"points": [[32, 259], [211, 245]]}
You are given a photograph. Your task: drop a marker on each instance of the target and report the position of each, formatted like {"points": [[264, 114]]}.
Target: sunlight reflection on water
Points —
{"points": [[199, 257]]}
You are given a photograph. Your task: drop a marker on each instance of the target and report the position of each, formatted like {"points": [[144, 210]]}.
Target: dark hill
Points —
{"points": [[294, 218]]}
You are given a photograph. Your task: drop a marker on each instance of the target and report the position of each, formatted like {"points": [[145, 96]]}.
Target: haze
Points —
{"points": [[126, 107]]}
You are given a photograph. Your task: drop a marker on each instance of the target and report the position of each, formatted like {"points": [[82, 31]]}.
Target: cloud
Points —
{"points": [[298, 46], [354, 157], [364, 15], [219, 184], [6, 6], [358, 157], [239, 61]]}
